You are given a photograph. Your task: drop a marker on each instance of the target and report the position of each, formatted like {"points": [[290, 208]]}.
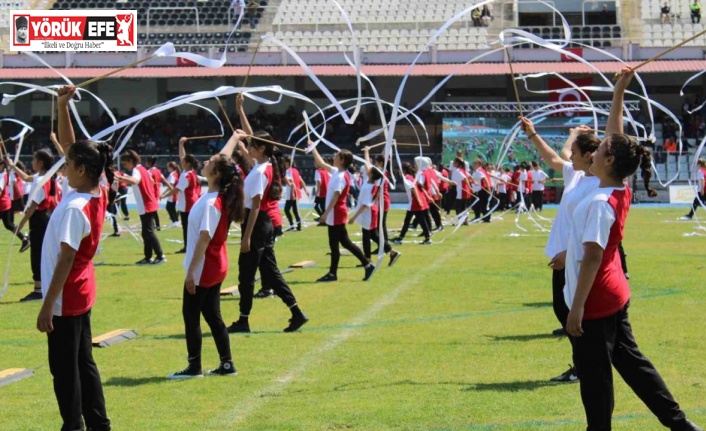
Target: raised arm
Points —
{"points": [[19, 172], [548, 154], [57, 145], [182, 151], [318, 160], [239, 99], [64, 126], [232, 143], [615, 119]]}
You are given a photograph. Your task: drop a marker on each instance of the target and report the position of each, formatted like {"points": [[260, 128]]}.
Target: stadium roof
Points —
{"points": [[440, 70]]}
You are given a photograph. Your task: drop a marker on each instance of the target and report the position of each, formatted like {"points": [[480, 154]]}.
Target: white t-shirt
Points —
{"points": [[699, 181], [502, 187], [576, 187], [408, 186], [537, 177], [29, 185], [523, 180], [136, 191], [477, 178], [365, 199], [70, 225], [287, 191], [458, 177], [337, 183], [182, 185], [591, 222], [203, 217], [255, 183], [40, 195], [11, 190]]}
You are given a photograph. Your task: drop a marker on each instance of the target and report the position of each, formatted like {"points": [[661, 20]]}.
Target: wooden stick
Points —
{"points": [[396, 144], [662, 54], [226, 114], [252, 61], [514, 84], [3, 150], [194, 138], [51, 129], [276, 143], [113, 72]]}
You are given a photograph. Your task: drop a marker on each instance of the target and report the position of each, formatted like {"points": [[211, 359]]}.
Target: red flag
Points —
{"points": [[568, 96], [576, 51], [184, 62]]}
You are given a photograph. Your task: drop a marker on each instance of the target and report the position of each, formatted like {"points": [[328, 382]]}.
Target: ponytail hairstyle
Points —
{"points": [[45, 158], [242, 163], [629, 155], [346, 157], [275, 158], [97, 158], [133, 157], [152, 161], [407, 169], [231, 186], [374, 174], [534, 164], [192, 161], [701, 162], [459, 162], [175, 167], [288, 162], [588, 143]]}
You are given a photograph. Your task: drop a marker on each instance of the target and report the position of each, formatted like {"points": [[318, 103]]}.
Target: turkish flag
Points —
{"points": [[576, 51], [184, 62], [572, 95]]}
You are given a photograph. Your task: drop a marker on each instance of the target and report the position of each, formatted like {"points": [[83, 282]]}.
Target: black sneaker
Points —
{"points": [[427, 241], [627, 276], [393, 257], [116, 234], [296, 322], [369, 271], [182, 251], [158, 228], [397, 240], [239, 327], [327, 278], [559, 332], [264, 293], [190, 372], [686, 217], [225, 369], [144, 261], [360, 265], [33, 296], [126, 218], [25, 245], [569, 376], [159, 260]]}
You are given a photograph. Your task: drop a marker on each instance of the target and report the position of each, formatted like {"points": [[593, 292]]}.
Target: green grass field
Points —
{"points": [[455, 337]]}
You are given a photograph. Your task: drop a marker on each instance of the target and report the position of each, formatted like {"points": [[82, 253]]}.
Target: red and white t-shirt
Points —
{"points": [[78, 222], [157, 179], [458, 176], [419, 204], [16, 189], [144, 191], [386, 201], [529, 184], [538, 178], [208, 215], [368, 218], [173, 179], [42, 195], [189, 191], [322, 178], [5, 201], [293, 193], [258, 183], [340, 182], [599, 218]]}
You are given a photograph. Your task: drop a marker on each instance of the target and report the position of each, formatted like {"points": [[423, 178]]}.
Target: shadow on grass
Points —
{"points": [[537, 304], [524, 337], [129, 382], [527, 385]]}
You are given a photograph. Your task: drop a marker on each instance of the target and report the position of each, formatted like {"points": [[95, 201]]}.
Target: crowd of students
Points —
{"points": [[245, 183]]}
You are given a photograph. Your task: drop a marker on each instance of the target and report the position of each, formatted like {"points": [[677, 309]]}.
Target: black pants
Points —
{"points": [[623, 258], [481, 206], [373, 235], [537, 199], [288, 207], [695, 18], [261, 256], [113, 209], [461, 206], [384, 228], [608, 343], [319, 205], [338, 235], [37, 228], [184, 225], [7, 218], [447, 201], [157, 223], [18, 204], [435, 214], [561, 310], [206, 301], [149, 237], [502, 198], [171, 210], [697, 203], [77, 382], [122, 191], [421, 218]]}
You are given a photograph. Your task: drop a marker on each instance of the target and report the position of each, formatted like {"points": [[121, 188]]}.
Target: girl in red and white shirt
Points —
{"points": [[69, 281], [462, 181], [173, 178], [42, 203], [158, 179], [262, 191], [206, 260], [292, 193], [188, 188], [418, 206], [147, 205], [336, 213], [6, 211], [597, 291], [321, 177]]}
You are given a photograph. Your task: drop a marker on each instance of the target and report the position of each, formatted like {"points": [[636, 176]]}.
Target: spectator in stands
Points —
{"points": [[670, 145], [475, 16], [485, 16], [666, 16], [695, 12], [251, 11], [605, 17]]}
